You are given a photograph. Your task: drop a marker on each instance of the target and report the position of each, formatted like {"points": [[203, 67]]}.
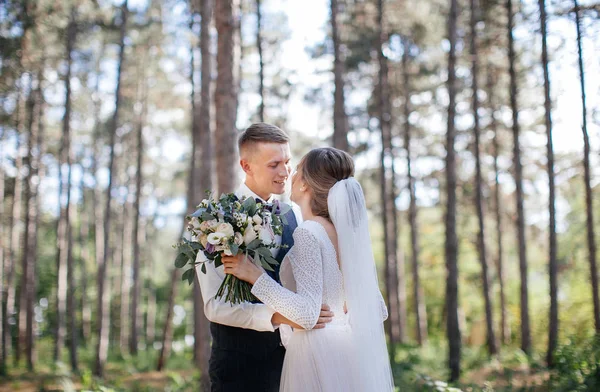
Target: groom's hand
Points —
{"points": [[325, 317]]}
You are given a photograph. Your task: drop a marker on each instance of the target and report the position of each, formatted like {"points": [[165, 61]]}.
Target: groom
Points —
{"points": [[246, 353]]}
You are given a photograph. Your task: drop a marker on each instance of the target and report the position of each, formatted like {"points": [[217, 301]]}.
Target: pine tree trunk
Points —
{"points": [[35, 150], [14, 231], [84, 255], [206, 138], [71, 307], [504, 328], [587, 178], [226, 94], [28, 256], [97, 217], [261, 70], [151, 317], [203, 163], [126, 278], [3, 323], [387, 176], [419, 303], [481, 246], [24, 287], [553, 266], [103, 284], [64, 197], [451, 243], [136, 319], [115, 267], [340, 119], [518, 172], [167, 335], [72, 330]]}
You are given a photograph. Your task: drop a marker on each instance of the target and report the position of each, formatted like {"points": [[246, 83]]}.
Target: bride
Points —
{"points": [[331, 262]]}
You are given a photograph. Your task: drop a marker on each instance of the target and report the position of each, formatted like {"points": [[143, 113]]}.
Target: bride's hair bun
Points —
{"points": [[321, 168]]}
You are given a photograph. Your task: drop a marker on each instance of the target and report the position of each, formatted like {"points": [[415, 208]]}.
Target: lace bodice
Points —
{"points": [[311, 277]]}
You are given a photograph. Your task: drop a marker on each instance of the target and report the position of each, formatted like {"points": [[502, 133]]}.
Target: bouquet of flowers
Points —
{"points": [[231, 226]]}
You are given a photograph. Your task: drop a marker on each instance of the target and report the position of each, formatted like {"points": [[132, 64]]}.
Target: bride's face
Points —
{"points": [[298, 187]]}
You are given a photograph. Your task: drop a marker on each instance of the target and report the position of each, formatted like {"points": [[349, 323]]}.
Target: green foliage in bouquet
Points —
{"points": [[231, 226]]}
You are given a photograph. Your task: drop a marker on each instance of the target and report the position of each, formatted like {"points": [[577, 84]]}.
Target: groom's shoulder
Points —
{"points": [[297, 212]]}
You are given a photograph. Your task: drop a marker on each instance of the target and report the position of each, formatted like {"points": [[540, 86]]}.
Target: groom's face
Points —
{"points": [[267, 167]]}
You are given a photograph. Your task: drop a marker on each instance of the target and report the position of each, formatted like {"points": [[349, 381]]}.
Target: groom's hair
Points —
{"points": [[260, 133]]}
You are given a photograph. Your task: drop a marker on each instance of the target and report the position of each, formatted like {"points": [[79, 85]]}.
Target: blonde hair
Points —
{"points": [[321, 168], [260, 133]]}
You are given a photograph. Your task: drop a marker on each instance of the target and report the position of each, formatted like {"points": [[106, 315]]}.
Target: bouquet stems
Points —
{"points": [[235, 291]]}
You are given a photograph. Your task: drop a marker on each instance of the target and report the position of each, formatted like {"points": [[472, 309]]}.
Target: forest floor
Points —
{"points": [[484, 379], [416, 369]]}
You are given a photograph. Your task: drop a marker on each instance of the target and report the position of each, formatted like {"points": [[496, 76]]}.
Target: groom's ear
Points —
{"points": [[245, 166]]}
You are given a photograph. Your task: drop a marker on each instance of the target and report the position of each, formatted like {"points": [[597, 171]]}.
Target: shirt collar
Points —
{"points": [[244, 190]]}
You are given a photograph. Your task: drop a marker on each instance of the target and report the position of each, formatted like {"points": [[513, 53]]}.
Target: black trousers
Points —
{"points": [[238, 371], [244, 360]]}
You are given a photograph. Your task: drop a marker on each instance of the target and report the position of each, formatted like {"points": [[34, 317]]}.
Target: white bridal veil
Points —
{"points": [[348, 213]]}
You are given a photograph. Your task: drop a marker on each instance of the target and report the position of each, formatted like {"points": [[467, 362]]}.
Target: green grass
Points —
{"points": [[415, 369]]}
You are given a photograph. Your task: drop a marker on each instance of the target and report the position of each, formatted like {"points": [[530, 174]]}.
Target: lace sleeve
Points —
{"points": [[303, 306]]}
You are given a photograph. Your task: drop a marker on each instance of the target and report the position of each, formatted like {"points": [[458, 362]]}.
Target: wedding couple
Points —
{"points": [[322, 302]]}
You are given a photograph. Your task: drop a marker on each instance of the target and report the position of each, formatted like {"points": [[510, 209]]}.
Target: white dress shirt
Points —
{"points": [[245, 315]]}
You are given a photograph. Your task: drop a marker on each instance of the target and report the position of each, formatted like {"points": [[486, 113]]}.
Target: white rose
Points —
{"points": [[215, 238], [226, 229], [257, 220], [265, 235], [249, 235], [249, 220], [212, 224], [238, 238]]}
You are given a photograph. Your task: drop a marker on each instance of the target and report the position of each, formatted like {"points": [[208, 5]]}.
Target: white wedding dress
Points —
{"points": [[329, 359]]}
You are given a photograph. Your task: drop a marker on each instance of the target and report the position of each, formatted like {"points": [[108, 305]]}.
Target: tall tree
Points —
{"points": [[71, 312], [419, 303], [64, 197], [518, 173], [340, 119], [135, 313], [98, 216], [14, 232], [26, 16], [481, 246], [261, 63], [126, 266], [167, 334], [553, 266], [84, 254], [103, 309], [587, 175], [390, 229], [490, 84], [25, 282], [226, 93], [35, 147], [3, 323], [203, 162], [451, 243]]}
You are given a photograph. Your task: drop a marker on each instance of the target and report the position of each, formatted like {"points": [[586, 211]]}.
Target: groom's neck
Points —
{"points": [[253, 188]]}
